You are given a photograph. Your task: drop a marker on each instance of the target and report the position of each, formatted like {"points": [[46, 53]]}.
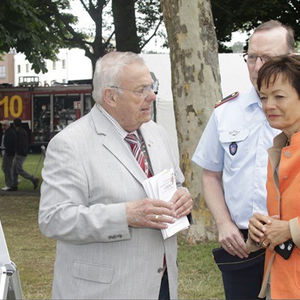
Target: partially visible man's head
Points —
{"points": [[268, 40], [17, 122], [272, 24]]}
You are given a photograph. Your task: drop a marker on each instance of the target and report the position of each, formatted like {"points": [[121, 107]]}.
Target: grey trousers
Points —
{"points": [[7, 168], [18, 170]]}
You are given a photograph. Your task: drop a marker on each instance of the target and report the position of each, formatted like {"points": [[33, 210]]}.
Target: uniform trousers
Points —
{"points": [[18, 170], [244, 283], [7, 162]]}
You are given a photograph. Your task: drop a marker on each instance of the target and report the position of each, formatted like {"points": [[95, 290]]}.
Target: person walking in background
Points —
{"points": [[233, 154], [1, 140], [20, 156], [9, 142], [108, 232], [279, 87]]}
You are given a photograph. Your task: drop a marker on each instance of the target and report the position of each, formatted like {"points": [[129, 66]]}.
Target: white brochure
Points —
{"points": [[163, 186]]}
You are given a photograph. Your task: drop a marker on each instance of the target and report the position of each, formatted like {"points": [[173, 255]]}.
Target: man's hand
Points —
{"points": [[183, 202], [232, 240], [230, 236], [150, 213]]}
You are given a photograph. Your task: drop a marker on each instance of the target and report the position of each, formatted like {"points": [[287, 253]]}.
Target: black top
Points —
{"points": [[10, 141], [22, 142]]}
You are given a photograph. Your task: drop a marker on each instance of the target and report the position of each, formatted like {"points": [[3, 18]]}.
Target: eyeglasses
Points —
{"points": [[143, 92], [252, 58]]}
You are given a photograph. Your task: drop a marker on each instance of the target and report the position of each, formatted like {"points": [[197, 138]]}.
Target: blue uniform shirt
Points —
{"points": [[235, 142]]}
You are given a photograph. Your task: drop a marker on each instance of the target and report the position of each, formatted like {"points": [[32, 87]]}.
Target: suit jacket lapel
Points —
{"points": [[274, 156], [275, 153], [111, 140]]}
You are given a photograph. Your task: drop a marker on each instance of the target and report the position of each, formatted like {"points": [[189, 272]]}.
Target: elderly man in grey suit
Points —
{"points": [[109, 242]]}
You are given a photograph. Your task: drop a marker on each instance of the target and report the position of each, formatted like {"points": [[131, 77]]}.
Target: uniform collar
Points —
{"points": [[251, 98]]}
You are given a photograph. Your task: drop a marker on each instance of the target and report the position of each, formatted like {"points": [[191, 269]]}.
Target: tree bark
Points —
{"points": [[125, 26], [195, 87]]}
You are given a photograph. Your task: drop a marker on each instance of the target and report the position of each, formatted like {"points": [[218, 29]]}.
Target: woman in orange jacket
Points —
{"points": [[279, 232]]}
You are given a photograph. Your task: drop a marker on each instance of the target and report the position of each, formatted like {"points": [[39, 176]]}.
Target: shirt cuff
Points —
{"points": [[295, 231]]}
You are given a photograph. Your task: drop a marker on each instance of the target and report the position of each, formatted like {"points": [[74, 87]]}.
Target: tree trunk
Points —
{"points": [[125, 26], [195, 87]]}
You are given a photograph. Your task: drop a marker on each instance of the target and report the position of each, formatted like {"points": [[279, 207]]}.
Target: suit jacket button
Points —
{"points": [[159, 270]]}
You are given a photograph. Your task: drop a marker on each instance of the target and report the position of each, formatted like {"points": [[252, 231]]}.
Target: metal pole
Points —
{"points": [[14, 288], [3, 283], [43, 151], [10, 283]]}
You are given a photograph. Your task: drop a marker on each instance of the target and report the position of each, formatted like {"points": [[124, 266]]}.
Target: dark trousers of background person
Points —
{"points": [[7, 165], [18, 170], [164, 293], [244, 283]]}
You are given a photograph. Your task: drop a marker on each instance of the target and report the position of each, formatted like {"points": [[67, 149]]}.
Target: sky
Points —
{"points": [[77, 9]]}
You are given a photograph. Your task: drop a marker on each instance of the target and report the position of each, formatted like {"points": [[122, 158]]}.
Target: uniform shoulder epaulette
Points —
{"points": [[226, 99]]}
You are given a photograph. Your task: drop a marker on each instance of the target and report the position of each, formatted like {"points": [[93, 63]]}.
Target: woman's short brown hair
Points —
{"points": [[286, 65]]}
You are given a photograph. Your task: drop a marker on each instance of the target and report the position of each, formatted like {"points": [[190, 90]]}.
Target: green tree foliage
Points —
{"points": [[40, 28], [234, 15], [149, 19], [32, 27]]}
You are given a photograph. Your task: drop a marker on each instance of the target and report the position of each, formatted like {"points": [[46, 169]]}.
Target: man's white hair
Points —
{"points": [[108, 69]]}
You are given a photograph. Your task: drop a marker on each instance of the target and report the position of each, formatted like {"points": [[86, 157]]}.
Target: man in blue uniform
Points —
{"points": [[232, 153]]}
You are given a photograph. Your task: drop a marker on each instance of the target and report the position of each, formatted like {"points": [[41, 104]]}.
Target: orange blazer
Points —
{"points": [[283, 199]]}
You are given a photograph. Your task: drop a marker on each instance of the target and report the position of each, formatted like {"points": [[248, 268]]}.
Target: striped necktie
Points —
{"points": [[131, 138]]}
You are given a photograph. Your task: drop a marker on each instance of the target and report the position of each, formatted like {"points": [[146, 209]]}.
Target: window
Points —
{"points": [[63, 63], [27, 68], [54, 65], [19, 69], [2, 72]]}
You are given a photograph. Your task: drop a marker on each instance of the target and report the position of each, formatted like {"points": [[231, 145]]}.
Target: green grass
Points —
{"points": [[29, 250], [199, 278]]}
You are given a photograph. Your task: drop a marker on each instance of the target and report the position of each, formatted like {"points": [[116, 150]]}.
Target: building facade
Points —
{"points": [[7, 75]]}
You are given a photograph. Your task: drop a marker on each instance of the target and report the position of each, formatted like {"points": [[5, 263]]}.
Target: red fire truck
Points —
{"points": [[45, 111]]}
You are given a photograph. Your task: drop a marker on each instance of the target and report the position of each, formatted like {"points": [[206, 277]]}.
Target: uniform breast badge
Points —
{"points": [[233, 148]]}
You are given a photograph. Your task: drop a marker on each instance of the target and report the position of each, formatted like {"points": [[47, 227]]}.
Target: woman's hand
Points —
{"points": [[257, 227], [277, 232]]}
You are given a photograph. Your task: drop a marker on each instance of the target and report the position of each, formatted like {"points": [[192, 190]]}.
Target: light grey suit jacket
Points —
{"points": [[89, 174]]}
